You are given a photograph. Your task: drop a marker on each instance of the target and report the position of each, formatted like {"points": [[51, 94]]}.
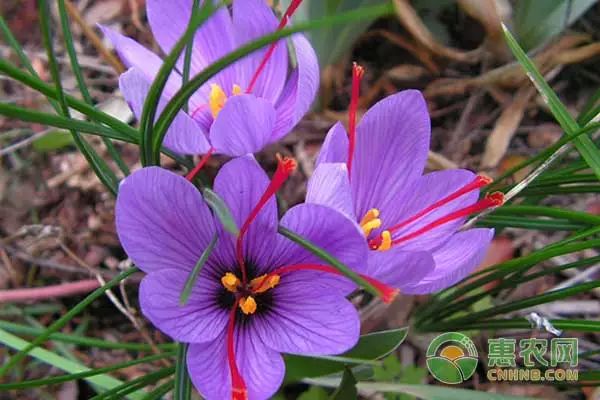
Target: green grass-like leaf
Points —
{"points": [[584, 144], [57, 361], [191, 280], [98, 165], [85, 94], [99, 379], [62, 321]]}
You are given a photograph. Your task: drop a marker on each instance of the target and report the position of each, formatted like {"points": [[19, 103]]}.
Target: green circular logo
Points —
{"points": [[452, 358]]}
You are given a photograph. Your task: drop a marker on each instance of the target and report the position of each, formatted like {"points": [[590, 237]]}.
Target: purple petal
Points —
{"points": [[299, 92], [426, 191], [454, 261], [251, 20], [399, 268], [262, 368], [335, 146], [200, 320], [243, 126], [135, 55], [162, 221], [241, 183], [184, 135], [331, 231], [214, 38], [308, 318], [392, 143], [329, 186]]}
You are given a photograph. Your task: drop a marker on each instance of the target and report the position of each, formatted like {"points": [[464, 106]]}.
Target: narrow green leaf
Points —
{"points": [[371, 346], [187, 58], [134, 385], [62, 321], [183, 385], [98, 165], [526, 303], [102, 380], [347, 389], [75, 67], [453, 300], [14, 44], [191, 280], [575, 216], [221, 210], [573, 325], [584, 144], [80, 340], [51, 141], [186, 91], [329, 259], [547, 153], [160, 391], [57, 121], [85, 373], [198, 16], [425, 392], [48, 90]]}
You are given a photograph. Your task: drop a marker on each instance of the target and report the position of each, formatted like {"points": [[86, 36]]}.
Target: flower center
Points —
{"points": [[217, 98], [246, 293], [386, 239]]}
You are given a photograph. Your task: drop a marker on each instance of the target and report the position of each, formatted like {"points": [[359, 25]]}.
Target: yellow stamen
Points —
{"points": [[248, 305], [216, 99], [369, 226], [230, 282], [370, 221], [386, 241], [236, 90], [369, 216], [258, 286]]}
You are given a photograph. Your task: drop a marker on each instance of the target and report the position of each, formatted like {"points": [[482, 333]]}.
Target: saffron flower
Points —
{"points": [[374, 175], [250, 104], [258, 294]]}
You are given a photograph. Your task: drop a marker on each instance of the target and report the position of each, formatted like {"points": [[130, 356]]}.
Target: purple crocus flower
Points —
{"points": [[258, 295], [374, 175], [250, 104]]}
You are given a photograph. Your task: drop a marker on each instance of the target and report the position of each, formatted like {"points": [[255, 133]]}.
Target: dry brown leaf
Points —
{"points": [[407, 72], [490, 13], [511, 75], [501, 249], [505, 128], [544, 135], [511, 161], [412, 22], [102, 11]]}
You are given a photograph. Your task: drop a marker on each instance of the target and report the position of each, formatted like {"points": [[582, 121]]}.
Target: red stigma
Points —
{"points": [[357, 74], [285, 167], [238, 386], [284, 20], [386, 292], [192, 174], [475, 184], [491, 200]]}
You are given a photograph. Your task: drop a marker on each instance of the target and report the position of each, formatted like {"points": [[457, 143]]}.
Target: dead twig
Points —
{"points": [[94, 38]]}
